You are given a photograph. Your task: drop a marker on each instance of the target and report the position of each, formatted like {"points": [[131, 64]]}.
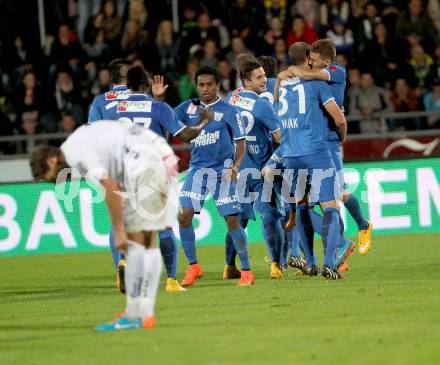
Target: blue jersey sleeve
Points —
{"points": [[267, 115], [323, 91], [336, 74], [168, 119], [234, 121], [94, 112]]}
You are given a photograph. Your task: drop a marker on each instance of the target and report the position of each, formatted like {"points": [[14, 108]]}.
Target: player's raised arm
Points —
{"points": [[284, 75], [339, 118], [309, 74]]}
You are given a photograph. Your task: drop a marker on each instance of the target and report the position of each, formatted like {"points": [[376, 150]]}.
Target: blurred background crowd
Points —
{"points": [[391, 50]]}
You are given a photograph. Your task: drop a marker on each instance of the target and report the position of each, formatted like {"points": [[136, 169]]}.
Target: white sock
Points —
{"points": [[134, 273], [152, 269]]}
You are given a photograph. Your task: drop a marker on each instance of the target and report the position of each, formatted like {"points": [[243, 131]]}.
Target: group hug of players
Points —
{"points": [[271, 147], [276, 126]]}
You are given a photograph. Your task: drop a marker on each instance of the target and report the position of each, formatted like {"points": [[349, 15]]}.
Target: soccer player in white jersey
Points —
{"points": [[137, 170]]}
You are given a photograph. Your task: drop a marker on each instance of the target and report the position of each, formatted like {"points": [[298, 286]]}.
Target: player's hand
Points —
{"points": [[284, 75], [207, 115], [296, 71], [158, 88], [232, 173], [121, 240]]}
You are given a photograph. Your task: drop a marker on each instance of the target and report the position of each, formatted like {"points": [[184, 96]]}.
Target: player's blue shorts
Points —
{"points": [[199, 182], [318, 170], [339, 165], [268, 201]]}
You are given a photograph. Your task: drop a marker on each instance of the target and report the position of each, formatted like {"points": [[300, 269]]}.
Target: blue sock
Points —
{"points": [[305, 232], [240, 242], [294, 242], [188, 237], [316, 221], [170, 251], [116, 255], [230, 251], [331, 235], [273, 235], [353, 207], [284, 249]]}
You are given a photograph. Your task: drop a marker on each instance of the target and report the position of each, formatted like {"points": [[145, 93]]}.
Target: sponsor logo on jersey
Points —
{"points": [[192, 109], [240, 124], [206, 138], [134, 106], [241, 102], [117, 95]]}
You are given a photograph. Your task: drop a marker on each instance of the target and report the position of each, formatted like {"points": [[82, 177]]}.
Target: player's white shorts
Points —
{"points": [[151, 187]]}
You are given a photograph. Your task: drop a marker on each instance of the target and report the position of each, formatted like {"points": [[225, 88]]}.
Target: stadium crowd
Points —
{"points": [[390, 48]]}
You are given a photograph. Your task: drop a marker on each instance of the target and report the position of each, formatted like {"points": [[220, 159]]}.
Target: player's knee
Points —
{"points": [[185, 219], [345, 197], [232, 222]]}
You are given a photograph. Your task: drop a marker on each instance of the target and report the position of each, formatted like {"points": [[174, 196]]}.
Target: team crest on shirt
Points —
{"points": [[218, 116]]}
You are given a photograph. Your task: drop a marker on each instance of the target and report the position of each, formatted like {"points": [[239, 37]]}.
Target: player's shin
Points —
{"points": [[331, 234], [116, 255], [274, 236], [170, 251], [188, 237], [240, 242], [355, 210], [305, 232]]}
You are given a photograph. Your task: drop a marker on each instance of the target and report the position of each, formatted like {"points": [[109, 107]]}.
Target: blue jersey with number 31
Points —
{"points": [[304, 128]]}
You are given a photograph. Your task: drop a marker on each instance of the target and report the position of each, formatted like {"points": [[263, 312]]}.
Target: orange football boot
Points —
{"points": [[247, 278], [194, 271]]}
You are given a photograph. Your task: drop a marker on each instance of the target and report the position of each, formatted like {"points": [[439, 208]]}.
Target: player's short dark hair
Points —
{"points": [[137, 77], [269, 64], [246, 64], [118, 70], [325, 48], [207, 71], [298, 53], [38, 160]]}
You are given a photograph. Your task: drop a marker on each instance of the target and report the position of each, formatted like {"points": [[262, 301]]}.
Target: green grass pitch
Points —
{"points": [[386, 311]]}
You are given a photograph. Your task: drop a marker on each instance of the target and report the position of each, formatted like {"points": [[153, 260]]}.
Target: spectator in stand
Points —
{"points": [[281, 54], [66, 50], [204, 30], [434, 12], [352, 89], [238, 47], [29, 126], [275, 31], [308, 10], [6, 129], [134, 42], [300, 32], [404, 99], [381, 56], [102, 83], [334, 9], [341, 37], [420, 68], [342, 60], [98, 51], [67, 123], [416, 20], [67, 96], [138, 12], [436, 67], [94, 26], [187, 86], [168, 48], [242, 19], [210, 54], [368, 102], [431, 102], [365, 29], [275, 9], [87, 9], [228, 77], [112, 25]]}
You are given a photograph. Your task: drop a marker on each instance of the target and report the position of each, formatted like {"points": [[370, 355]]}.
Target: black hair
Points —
{"points": [[270, 65], [246, 65], [118, 70], [207, 71], [136, 77]]}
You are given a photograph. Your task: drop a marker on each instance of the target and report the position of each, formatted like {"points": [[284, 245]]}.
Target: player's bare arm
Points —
{"points": [[114, 203], [339, 118], [239, 155], [189, 133], [284, 75], [309, 74]]}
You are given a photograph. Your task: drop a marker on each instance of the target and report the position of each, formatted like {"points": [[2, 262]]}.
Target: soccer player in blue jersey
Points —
{"points": [[158, 116], [262, 131], [216, 155], [306, 156], [323, 67], [104, 106]]}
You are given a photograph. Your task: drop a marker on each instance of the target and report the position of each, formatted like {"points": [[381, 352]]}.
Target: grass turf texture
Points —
{"points": [[386, 311]]}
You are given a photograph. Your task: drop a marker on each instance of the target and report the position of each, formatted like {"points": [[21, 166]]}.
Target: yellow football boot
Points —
{"points": [[231, 272], [365, 237], [275, 271], [173, 286]]}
